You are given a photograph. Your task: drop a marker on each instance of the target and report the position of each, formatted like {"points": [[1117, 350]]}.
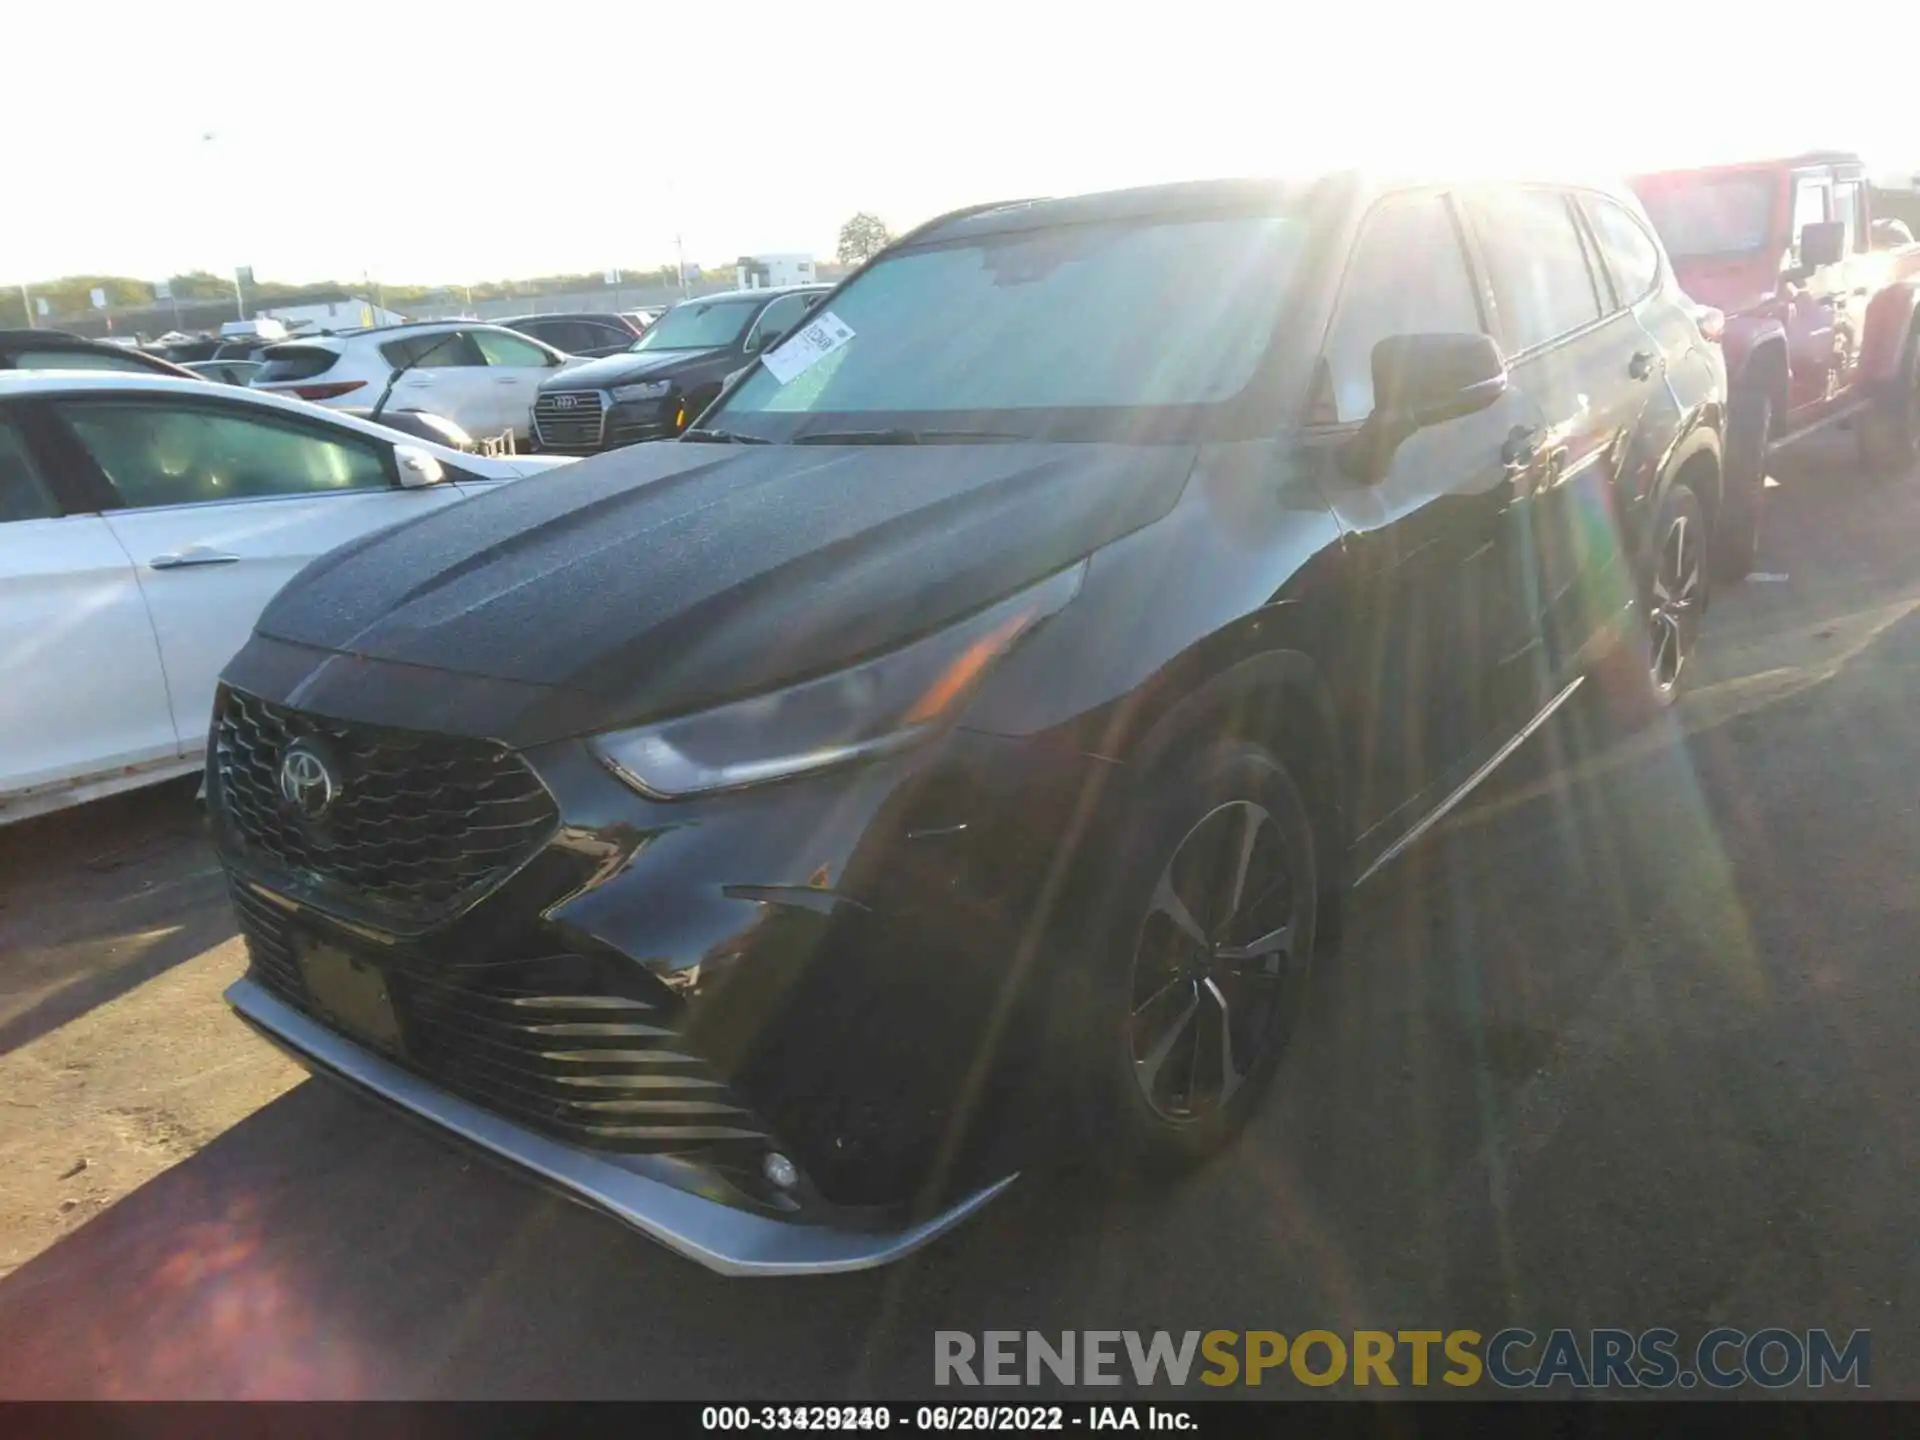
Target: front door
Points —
{"points": [[84, 694], [219, 506], [1852, 282], [1813, 334], [1442, 614], [515, 368]]}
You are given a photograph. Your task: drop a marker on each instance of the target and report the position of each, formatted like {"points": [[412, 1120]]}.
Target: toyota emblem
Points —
{"points": [[307, 783], [565, 402]]}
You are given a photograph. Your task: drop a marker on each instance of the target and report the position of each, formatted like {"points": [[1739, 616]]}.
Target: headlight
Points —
{"points": [[875, 708], [648, 390]]}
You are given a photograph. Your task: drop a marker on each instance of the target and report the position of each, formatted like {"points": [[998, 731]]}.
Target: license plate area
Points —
{"points": [[351, 992]]}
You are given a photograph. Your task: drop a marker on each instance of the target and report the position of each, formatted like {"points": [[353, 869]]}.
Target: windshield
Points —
{"points": [[1107, 318], [1732, 215], [699, 325]]}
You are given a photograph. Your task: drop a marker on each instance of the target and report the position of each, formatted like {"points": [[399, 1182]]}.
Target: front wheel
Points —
{"points": [[1642, 677], [1206, 945]]}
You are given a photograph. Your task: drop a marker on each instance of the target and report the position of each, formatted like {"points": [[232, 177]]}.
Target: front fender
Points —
{"points": [[1888, 323], [1747, 338]]}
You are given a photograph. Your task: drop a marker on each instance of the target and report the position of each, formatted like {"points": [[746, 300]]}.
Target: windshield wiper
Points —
{"points": [[721, 437], [901, 436]]}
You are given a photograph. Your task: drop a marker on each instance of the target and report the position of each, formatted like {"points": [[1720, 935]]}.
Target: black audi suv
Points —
{"points": [[660, 383], [957, 749]]}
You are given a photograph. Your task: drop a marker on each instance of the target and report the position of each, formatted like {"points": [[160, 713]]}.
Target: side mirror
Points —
{"points": [[418, 468], [1422, 380], [1822, 243]]}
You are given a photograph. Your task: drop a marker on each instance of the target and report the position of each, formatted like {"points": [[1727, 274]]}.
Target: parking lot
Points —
{"points": [[1627, 1043]]}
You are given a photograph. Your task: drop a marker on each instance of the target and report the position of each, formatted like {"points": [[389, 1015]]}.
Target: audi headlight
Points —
{"points": [[876, 708], [646, 390]]}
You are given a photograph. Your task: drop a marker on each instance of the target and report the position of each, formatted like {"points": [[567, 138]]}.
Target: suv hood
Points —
{"points": [[664, 578], [624, 367]]}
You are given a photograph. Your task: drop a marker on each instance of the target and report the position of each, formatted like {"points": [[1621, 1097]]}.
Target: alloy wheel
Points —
{"points": [[1676, 602], [1215, 960]]}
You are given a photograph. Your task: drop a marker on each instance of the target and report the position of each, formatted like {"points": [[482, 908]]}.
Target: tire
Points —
{"points": [[1890, 431], [1641, 679], [1176, 965], [1736, 529]]}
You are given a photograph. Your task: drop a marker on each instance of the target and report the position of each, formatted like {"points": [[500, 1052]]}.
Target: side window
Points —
{"points": [[1542, 283], [1626, 246], [1809, 205], [441, 351], [778, 318], [1408, 276], [503, 347], [1848, 207], [598, 335], [163, 455], [23, 494]]}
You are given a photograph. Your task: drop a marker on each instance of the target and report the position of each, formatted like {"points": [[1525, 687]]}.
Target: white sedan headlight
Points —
{"points": [[646, 390], [874, 708]]}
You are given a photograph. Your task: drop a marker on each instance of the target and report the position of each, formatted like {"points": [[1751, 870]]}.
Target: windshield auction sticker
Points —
{"points": [[815, 340]]}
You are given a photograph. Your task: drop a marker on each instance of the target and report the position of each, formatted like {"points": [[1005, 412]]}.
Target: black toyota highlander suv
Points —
{"points": [[955, 750], [653, 389]]}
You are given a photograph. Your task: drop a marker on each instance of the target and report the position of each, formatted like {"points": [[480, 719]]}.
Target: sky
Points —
{"points": [[573, 136]]}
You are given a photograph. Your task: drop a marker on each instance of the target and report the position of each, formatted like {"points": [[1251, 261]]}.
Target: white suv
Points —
{"points": [[481, 377]]}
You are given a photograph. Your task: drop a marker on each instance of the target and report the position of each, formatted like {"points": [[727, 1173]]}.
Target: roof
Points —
{"points": [[561, 315], [1776, 162], [40, 337], [764, 292]]}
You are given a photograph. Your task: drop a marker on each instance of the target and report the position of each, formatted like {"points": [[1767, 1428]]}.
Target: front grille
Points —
{"points": [[569, 419], [420, 822], [581, 1051]]}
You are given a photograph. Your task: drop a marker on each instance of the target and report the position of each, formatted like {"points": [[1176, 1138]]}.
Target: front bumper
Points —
{"points": [[849, 971], [647, 1192]]}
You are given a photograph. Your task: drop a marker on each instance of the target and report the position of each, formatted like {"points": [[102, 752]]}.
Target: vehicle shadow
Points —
{"points": [[78, 929]]}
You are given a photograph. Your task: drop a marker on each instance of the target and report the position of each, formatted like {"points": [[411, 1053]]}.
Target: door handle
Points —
{"points": [[180, 560], [1644, 364], [1523, 445], [506, 380]]}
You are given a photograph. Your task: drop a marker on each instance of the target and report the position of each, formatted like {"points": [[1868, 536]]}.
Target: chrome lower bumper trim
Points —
{"points": [[720, 1237]]}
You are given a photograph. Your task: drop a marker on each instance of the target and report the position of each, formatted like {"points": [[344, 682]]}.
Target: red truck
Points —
{"points": [[1815, 303]]}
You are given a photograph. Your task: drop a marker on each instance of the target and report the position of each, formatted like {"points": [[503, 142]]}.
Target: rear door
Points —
{"points": [[84, 695], [1591, 368], [448, 378], [515, 368], [218, 505]]}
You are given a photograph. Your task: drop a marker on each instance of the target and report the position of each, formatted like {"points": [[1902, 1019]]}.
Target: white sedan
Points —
{"points": [[144, 524]]}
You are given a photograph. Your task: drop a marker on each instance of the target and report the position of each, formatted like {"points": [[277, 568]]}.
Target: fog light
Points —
{"points": [[780, 1170]]}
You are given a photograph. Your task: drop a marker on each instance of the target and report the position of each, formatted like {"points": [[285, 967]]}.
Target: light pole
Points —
{"points": [[26, 304]]}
